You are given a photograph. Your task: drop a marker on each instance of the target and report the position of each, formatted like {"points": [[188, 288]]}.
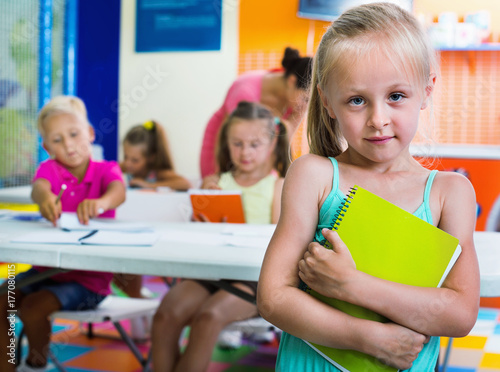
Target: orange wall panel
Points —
{"points": [[484, 174], [268, 26]]}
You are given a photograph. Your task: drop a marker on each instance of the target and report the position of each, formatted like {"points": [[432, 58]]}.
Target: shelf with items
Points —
{"points": [[470, 52], [493, 47]]}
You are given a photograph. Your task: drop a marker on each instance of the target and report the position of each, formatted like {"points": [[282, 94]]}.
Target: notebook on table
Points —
{"points": [[96, 232], [69, 221], [387, 242], [218, 205], [93, 237]]}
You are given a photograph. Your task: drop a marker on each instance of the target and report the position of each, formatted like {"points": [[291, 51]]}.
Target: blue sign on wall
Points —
{"points": [[178, 25], [97, 68]]}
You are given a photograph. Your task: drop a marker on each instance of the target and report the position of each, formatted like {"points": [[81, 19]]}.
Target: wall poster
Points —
{"points": [[178, 25]]}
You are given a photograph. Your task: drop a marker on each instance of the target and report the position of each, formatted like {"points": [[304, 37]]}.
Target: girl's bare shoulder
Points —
{"points": [[450, 191], [311, 174], [310, 164], [452, 182]]}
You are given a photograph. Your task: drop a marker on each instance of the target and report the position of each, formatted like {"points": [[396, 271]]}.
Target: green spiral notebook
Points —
{"points": [[387, 242]]}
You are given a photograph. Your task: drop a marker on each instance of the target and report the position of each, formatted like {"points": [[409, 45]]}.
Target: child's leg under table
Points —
{"points": [[39, 300], [175, 312], [131, 284], [218, 311]]}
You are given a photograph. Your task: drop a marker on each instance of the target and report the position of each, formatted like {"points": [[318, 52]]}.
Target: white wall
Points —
{"points": [[180, 90]]}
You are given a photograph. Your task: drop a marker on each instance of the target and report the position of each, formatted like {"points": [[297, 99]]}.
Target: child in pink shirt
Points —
{"points": [[92, 189]]}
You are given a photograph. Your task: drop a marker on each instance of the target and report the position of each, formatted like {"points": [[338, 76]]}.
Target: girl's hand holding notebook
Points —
{"points": [[326, 270]]}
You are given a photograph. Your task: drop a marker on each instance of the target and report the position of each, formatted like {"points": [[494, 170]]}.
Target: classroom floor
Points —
{"points": [[478, 352]]}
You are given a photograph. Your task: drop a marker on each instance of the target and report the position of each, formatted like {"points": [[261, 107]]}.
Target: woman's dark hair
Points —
{"points": [[296, 65], [154, 140], [254, 111]]}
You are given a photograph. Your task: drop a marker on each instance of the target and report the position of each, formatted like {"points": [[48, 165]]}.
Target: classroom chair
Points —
{"points": [[112, 309], [447, 355], [253, 326]]}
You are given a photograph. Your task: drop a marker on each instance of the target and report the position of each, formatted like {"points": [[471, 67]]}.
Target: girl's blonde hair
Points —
{"points": [[357, 32], [61, 105], [153, 138], [255, 111]]}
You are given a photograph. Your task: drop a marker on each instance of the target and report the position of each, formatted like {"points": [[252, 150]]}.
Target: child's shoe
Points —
{"points": [[140, 328], [230, 340], [148, 293], [262, 337]]}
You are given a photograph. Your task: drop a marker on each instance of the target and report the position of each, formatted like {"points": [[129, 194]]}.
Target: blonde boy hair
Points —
{"points": [[61, 105], [353, 36]]}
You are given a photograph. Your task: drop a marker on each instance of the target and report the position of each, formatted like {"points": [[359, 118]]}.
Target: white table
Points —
{"points": [[187, 259], [165, 258]]}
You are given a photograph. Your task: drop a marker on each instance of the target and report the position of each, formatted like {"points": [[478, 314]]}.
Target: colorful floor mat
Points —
{"points": [[106, 352]]}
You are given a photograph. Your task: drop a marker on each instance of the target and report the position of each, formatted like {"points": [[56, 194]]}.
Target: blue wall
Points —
{"points": [[97, 68]]}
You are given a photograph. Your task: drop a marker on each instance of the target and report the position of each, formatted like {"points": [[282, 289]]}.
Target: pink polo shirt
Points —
{"points": [[94, 184]]}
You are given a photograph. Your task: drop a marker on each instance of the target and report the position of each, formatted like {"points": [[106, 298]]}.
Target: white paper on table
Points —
{"points": [[194, 237], [5, 214], [69, 221], [215, 239], [142, 238], [56, 236], [239, 229], [247, 241], [52, 236]]}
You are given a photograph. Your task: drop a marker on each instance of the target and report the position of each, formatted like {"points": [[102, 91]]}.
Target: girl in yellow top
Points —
{"points": [[253, 157]]}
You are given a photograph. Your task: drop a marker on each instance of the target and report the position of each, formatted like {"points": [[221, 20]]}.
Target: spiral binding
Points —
{"points": [[341, 213], [338, 218]]}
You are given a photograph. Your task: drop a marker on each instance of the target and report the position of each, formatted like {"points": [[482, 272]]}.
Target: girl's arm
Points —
{"points": [[211, 182], [276, 207], [111, 199], [447, 311], [42, 195], [168, 178], [296, 312]]}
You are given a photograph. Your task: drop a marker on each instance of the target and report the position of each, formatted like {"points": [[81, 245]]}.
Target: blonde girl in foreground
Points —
{"points": [[373, 73]]}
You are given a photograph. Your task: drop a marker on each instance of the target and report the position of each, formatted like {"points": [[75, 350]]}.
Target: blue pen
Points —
{"points": [[27, 217]]}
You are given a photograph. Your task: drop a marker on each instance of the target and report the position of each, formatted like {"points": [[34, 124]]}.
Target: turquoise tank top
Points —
{"points": [[294, 354]]}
